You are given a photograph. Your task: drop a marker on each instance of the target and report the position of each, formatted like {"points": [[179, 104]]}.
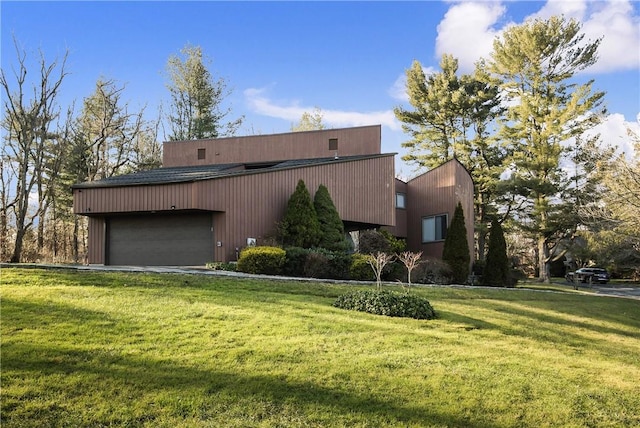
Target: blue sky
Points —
{"points": [[284, 58]]}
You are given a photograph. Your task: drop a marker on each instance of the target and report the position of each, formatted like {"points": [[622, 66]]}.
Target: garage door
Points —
{"points": [[160, 240]]}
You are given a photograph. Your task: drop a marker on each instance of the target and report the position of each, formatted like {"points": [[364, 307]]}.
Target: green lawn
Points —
{"points": [[113, 349]]}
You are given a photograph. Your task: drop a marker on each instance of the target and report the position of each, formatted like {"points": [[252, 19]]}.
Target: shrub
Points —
{"points": [[372, 242], [322, 263], [433, 271], [331, 227], [456, 247], [496, 270], [262, 260], [396, 245], [360, 270], [226, 266], [300, 226], [295, 260], [389, 303]]}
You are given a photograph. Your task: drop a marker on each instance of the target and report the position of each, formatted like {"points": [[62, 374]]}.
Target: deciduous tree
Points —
{"points": [[309, 121], [30, 110]]}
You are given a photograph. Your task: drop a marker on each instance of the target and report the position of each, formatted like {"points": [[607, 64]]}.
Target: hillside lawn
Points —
{"points": [[97, 349]]}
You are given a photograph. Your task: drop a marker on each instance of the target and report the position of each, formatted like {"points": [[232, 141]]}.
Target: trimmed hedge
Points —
{"points": [[261, 260], [389, 303]]}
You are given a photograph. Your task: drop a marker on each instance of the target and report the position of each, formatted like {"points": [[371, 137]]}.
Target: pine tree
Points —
{"points": [[300, 226], [496, 271], [331, 227], [196, 98], [535, 63], [456, 247]]}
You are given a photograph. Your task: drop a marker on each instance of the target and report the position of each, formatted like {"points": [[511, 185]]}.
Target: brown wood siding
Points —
{"points": [[249, 206], [93, 201], [400, 229], [254, 204], [434, 193], [97, 239], [263, 148]]}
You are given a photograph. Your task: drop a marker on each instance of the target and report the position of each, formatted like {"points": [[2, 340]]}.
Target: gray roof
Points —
{"points": [[186, 174]]}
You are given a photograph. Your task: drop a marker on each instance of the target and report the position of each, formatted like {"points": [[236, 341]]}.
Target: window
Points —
{"points": [[333, 144], [202, 153], [401, 200], [434, 228]]}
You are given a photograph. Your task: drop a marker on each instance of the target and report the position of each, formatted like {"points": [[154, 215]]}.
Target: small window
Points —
{"points": [[434, 228], [333, 144], [202, 153], [401, 200]]}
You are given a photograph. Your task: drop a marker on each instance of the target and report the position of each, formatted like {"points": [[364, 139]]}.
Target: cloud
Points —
{"points": [[467, 32], [613, 131], [398, 91], [468, 29], [260, 103]]}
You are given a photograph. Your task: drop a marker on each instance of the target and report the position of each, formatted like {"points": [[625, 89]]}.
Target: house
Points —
{"points": [[213, 197]]}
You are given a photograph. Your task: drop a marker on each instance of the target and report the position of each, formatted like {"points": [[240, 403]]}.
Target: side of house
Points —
{"points": [[213, 197]]}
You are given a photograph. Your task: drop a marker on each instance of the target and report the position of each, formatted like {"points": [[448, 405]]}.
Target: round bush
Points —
{"points": [[389, 303], [261, 260], [360, 270]]}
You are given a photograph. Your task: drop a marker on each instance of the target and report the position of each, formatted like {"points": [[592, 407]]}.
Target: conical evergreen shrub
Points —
{"points": [[331, 228], [496, 269], [300, 226], [456, 247]]}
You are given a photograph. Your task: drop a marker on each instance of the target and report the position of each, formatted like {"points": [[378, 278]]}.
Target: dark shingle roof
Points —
{"points": [[207, 172]]}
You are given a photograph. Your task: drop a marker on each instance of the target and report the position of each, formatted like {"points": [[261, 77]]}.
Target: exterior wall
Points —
{"points": [[264, 148], [400, 229], [97, 240], [434, 193], [250, 205]]}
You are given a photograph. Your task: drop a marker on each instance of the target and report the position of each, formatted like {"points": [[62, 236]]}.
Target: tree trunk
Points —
{"points": [[17, 249], [544, 260]]}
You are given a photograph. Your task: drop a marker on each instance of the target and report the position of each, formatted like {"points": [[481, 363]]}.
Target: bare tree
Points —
{"points": [[377, 262], [108, 132], [410, 261], [27, 120]]}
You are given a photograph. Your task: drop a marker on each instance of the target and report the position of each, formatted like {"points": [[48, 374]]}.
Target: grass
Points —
{"points": [[113, 349]]}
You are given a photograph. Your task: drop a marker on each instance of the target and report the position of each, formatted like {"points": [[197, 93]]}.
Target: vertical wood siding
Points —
{"points": [[434, 193], [263, 148], [97, 240], [251, 205], [400, 228]]}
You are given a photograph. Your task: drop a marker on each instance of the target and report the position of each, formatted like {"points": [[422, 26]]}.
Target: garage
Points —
{"points": [[160, 240]]}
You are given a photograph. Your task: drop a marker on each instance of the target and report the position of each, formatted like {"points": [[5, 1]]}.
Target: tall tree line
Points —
{"points": [[47, 148], [519, 123]]}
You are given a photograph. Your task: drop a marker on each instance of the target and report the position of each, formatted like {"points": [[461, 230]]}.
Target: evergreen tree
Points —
{"points": [[535, 63], [300, 226], [197, 98], [331, 227], [453, 116], [456, 247], [496, 271]]}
